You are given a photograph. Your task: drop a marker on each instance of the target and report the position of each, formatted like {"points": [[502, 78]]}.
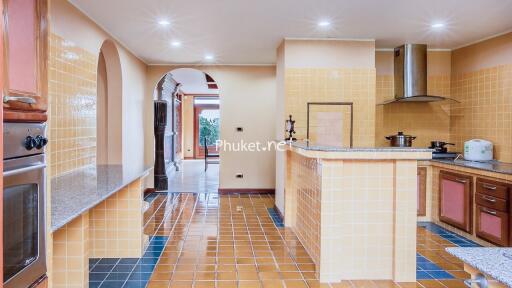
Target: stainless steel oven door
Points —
{"points": [[24, 221]]}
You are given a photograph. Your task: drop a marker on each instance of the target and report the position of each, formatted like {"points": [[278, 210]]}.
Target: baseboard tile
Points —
{"points": [[246, 191]]}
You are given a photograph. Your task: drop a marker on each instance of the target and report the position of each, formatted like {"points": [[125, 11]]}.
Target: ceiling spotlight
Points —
{"points": [[324, 23], [176, 44], [209, 57], [437, 25], [164, 22]]}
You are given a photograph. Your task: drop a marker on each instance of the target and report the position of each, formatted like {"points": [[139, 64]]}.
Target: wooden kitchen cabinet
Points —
{"points": [[422, 191], [493, 211], [25, 60], [455, 200]]}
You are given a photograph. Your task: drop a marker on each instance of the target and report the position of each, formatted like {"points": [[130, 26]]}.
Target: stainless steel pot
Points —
{"points": [[400, 140]]}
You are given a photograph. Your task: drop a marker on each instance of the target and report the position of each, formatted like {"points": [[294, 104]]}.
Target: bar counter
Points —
{"points": [[354, 209]]}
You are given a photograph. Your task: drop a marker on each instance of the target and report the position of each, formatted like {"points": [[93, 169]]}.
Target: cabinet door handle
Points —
{"points": [[490, 199], [490, 187], [489, 211], [461, 180], [22, 99]]}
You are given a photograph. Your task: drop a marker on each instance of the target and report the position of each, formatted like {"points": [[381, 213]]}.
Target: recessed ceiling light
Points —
{"points": [[437, 25], [324, 23], [176, 43], [164, 22], [209, 57]]}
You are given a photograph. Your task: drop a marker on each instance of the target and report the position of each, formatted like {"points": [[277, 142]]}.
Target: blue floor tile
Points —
{"points": [[118, 276], [429, 266], [102, 268], [126, 272], [108, 261], [97, 277], [135, 284], [111, 284], [422, 275], [440, 274], [128, 261], [123, 268]]}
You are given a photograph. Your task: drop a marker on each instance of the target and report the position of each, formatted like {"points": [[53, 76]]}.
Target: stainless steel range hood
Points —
{"points": [[410, 75]]}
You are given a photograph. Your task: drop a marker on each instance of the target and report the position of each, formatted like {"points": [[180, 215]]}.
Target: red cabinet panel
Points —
{"points": [[22, 45], [25, 56], [492, 225], [455, 200]]}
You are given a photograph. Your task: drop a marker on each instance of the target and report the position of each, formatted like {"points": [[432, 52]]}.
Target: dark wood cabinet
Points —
{"points": [[493, 211], [455, 200], [422, 191], [25, 60]]}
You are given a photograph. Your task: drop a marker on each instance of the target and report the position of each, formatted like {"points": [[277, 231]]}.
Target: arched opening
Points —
{"points": [[188, 141], [109, 125]]}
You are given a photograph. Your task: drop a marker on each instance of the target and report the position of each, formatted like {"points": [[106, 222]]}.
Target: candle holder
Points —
{"points": [[290, 129]]}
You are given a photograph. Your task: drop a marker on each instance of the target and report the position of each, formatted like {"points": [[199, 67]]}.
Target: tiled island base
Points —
{"points": [[354, 212], [112, 228]]}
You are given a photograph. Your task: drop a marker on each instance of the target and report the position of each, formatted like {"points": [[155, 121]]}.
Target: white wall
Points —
{"points": [[247, 99]]}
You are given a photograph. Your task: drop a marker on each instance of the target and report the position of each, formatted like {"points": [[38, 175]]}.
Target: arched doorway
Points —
{"points": [[109, 125], [192, 129]]}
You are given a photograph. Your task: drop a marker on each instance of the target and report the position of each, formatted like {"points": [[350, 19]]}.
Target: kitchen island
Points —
{"points": [[354, 209], [96, 212]]}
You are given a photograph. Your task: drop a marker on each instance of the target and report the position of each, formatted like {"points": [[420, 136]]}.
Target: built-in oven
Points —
{"points": [[24, 204]]}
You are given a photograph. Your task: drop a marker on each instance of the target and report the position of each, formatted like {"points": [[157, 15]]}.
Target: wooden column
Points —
{"points": [[160, 123]]}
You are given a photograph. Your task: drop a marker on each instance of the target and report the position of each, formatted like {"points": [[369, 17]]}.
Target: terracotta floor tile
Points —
{"points": [[295, 284], [181, 284], [204, 284], [204, 276], [226, 276], [385, 284], [249, 284], [453, 283], [245, 275], [342, 284], [227, 284], [272, 283], [363, 284], [431, 284], [183, 276], [158, 284], [269, 275], [291, 275], [219, 246]]}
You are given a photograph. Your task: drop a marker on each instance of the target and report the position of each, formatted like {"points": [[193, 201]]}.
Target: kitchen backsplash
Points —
{"points": [[72, 95], [485, 111], [426, 121], [355, 85]]}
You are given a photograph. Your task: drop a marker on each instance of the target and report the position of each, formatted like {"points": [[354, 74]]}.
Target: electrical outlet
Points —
{"points": [[239, 175], [239, 129]]}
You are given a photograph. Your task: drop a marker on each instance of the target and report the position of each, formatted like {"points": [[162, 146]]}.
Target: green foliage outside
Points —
{"points": [[208, 128]]}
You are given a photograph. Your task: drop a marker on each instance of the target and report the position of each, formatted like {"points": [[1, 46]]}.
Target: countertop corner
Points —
{"points": [[493, 261], [75, 192]]}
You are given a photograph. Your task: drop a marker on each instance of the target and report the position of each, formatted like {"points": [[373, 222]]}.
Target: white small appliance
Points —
{"points": [[478, 150]]}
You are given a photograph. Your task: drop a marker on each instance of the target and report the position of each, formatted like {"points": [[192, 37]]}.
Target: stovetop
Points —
{"points": [[444, 155]]}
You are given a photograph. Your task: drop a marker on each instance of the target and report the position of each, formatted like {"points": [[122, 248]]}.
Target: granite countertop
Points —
{"points": [[78, 191], [493, 261], [316, 147], [492, 166]]}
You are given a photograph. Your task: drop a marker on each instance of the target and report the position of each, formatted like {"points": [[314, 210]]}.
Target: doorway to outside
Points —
{"points": [[193, 110], [206, 125]]}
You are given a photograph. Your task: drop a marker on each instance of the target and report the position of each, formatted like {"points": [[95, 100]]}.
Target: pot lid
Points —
{"points": [[400, 134]]}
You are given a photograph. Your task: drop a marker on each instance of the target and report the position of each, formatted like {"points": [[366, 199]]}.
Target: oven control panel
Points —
{"points": [[23, 139]]}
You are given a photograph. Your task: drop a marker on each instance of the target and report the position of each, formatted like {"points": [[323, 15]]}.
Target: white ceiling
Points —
{"points": [[248, 32]]}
